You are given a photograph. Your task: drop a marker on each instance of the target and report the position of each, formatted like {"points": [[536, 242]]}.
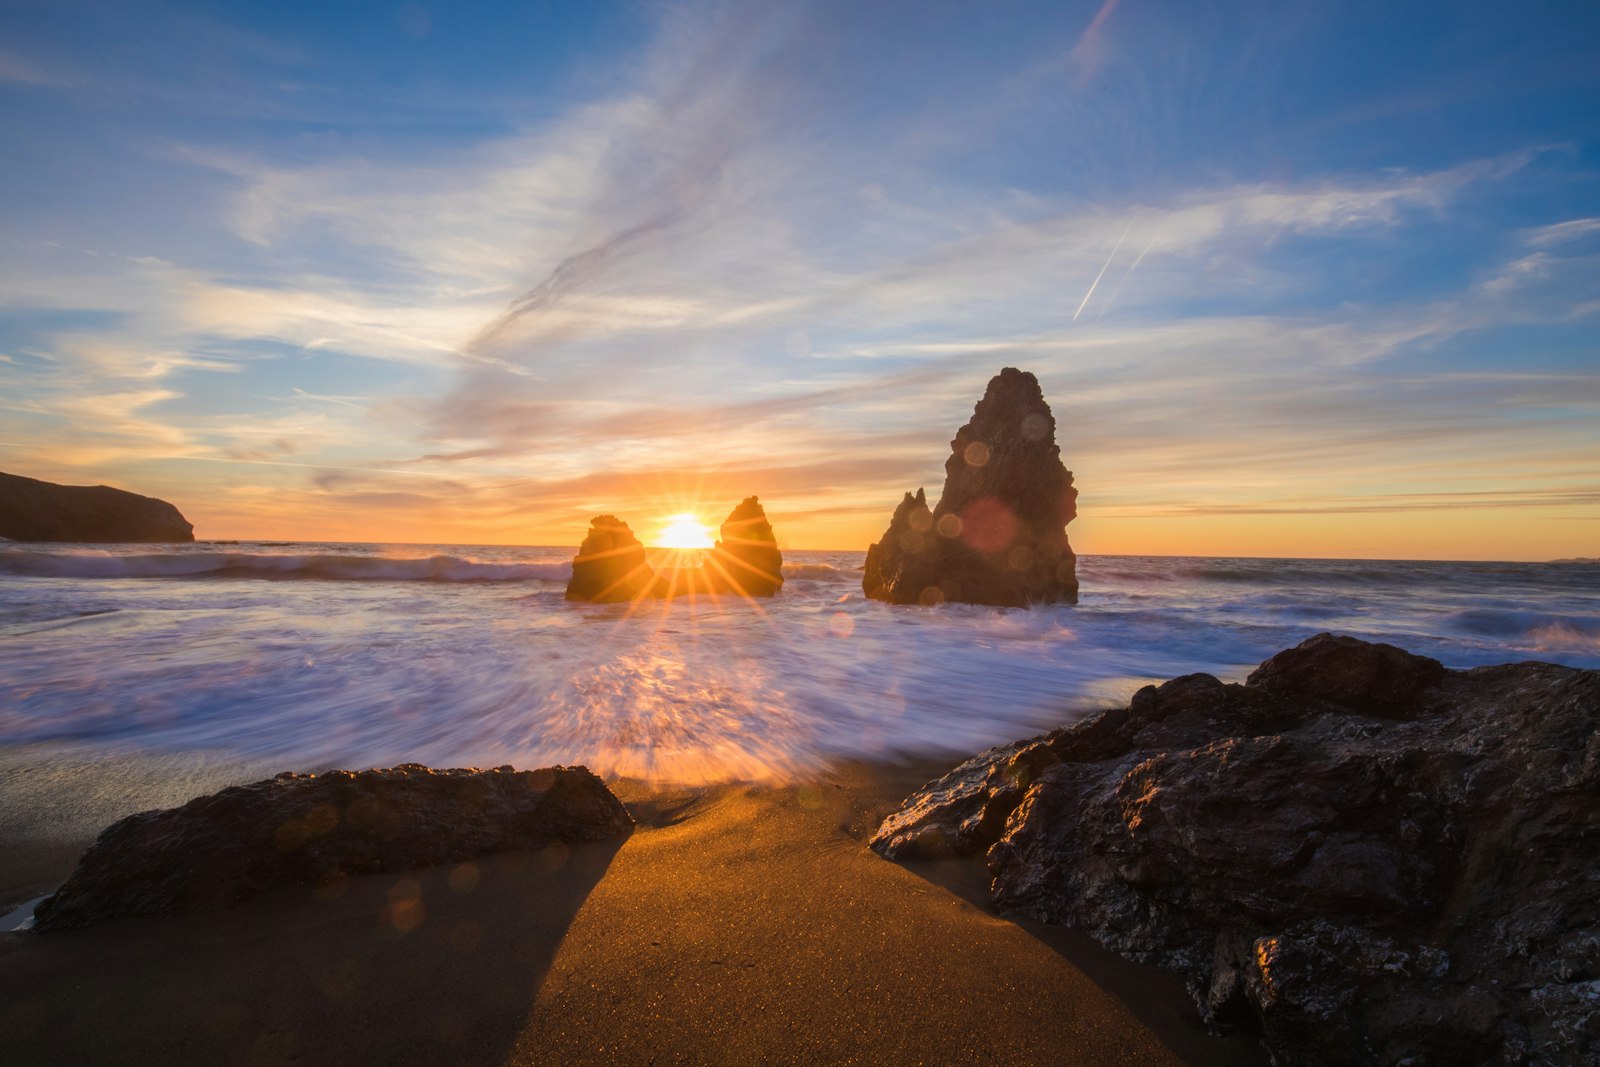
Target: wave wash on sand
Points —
{"points": [[372, 655]]}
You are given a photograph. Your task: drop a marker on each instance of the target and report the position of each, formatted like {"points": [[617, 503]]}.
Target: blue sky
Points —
{"points": [[1297, 278]]}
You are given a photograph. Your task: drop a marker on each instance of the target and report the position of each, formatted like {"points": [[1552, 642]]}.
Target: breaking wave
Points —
{"points": [[1537, 631], [820, 570], [269, 565], [323, 566]]}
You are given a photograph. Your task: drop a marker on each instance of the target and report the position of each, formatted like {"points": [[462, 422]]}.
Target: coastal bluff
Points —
{"points": [[611, 566], [998, 534], [1365, 856], [32, 510]]}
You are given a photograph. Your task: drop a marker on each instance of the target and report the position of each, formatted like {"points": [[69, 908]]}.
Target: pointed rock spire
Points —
{"points": [[998, 535], [746, 560]]}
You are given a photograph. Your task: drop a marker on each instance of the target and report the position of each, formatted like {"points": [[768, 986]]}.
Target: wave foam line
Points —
{"points": [[247, 565]]}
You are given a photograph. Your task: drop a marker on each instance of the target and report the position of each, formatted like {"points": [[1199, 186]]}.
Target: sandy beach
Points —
{"points": [[736, 925]]}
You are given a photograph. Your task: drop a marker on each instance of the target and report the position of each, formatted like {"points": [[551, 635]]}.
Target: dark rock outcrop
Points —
{"points": [[745, 560], [1370, 857], [313, 829], [998, 535], [611, 566], [31, 510]]}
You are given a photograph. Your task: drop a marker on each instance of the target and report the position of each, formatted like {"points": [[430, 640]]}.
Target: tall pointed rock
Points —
{"points": [[998, 535], [746, 560]]}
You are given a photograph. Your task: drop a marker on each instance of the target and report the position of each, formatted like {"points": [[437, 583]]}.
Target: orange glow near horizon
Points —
{"points": [[1442, 534], [683, 530], [273, 504]]}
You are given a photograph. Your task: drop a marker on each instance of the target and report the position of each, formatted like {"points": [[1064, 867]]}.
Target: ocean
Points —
{"points": [[309, 656]]}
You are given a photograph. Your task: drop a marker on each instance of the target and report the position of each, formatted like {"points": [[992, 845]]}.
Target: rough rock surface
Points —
{"points": [[611, 566], [313, 829], [998, 535], [1370, 857], [746, 560], [31, 510]]}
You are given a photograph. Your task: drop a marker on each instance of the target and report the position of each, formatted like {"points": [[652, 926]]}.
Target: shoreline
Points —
{"points": [[738, 923]]}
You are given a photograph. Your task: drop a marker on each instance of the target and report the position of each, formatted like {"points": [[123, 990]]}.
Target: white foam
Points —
{"points": [[430, 659], [105, 564]]}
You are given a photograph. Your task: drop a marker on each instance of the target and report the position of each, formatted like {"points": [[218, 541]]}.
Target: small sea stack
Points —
{"points": [[611, 566], [32, 510], [998, 535], [745, 560]]}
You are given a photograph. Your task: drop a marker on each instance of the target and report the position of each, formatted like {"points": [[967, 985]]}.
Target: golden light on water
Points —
{"points": [[683, 530]]}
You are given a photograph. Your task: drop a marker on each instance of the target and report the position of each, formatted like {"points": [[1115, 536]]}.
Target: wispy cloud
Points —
{"points": [[18, 70], [741, 254]]}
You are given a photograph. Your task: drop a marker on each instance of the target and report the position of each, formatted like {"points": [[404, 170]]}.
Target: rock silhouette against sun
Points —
{"points": [[611, 566]]}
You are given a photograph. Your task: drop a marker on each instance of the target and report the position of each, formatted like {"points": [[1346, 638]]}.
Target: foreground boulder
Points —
{"points": [[31, 510], [611, 566], [1370, 857], [998, 535], [313, 829]]}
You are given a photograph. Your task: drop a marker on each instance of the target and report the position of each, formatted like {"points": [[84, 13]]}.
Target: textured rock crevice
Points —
{"points": [[998, 535], [315, 829], [1370, 857], [611, 565], [31, 510]]}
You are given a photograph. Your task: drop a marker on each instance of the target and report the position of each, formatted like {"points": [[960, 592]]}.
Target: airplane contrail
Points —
{"points": [[1112, 299], [1094, 284]]}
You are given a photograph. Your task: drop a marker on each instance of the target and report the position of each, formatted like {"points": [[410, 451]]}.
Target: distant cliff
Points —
{"points": [[31, 510]]}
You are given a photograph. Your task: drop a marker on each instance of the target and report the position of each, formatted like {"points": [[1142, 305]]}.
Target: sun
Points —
{"points": [[683, 530]]}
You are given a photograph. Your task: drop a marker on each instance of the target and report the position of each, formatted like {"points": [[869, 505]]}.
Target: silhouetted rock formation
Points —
{"points": [[1376, 859], [31, 510], [314, 829], [999, 534], [746, 560], [611, 564]]}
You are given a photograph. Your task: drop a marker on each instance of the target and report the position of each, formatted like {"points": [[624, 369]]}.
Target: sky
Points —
{"points": [[1298, 279]]}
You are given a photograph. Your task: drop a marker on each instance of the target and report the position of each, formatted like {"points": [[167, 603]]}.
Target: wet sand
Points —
{"points": [[736, 925]]}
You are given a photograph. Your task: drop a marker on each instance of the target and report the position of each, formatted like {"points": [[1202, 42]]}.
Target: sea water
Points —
{"points": [[308, 656]]}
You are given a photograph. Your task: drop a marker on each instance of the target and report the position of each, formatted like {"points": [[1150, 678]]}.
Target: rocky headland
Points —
{"points": [[611, 566], [1371, 858], [317, 829], [31, 510], [998, 534]]}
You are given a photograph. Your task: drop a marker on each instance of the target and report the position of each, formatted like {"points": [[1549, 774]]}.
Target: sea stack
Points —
{"points": [[998, 535], [611, 566], [31, 510], [745, 560]]}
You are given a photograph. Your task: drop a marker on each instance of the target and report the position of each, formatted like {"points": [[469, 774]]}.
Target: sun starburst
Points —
{"points": [[683, 530]]}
